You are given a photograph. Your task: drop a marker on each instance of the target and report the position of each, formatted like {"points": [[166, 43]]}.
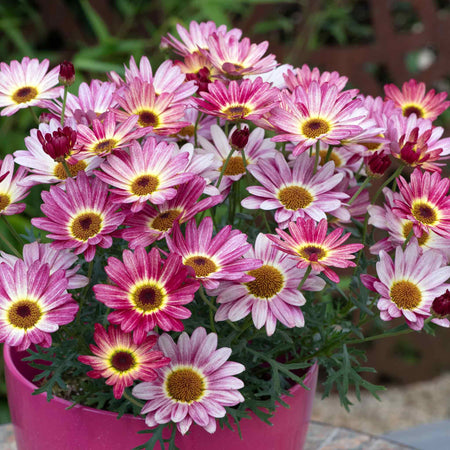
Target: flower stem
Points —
{"points": [[361, 187], [132, 399], [408, 238], [379, 336], [224, 167], [9, 245], [327, 156], [308, 271], [33, 114], [316, 161], [12, 230], [392, 177], [63, 111], [66, 168]]}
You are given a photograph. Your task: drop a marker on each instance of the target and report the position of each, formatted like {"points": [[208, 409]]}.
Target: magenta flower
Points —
{"points": [[150, 172], [413, 99], [424, 201], [81, 217], [196, 385], [213, 259], [311, 246], [120, 360], [33, 304], [148, 292], [13, 187]]}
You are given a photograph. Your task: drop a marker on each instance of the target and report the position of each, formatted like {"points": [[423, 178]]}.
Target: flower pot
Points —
{"points": [[42, 425]]}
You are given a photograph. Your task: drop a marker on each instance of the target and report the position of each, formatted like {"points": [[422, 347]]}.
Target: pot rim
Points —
{"points": [[310, 375]]}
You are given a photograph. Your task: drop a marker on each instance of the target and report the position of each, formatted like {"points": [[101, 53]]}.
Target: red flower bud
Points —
{"points": [[239, 138], [58, 144], [377, 164], [66, 73], [441, 305]]}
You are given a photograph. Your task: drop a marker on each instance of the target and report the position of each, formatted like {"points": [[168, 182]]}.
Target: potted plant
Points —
{"points": [[193, 217]]}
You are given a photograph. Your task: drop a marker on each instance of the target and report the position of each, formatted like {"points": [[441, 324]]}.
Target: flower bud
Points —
{"points": [[377, 164], [441, 305], [239, 138], [58, 144], [66, 73]]}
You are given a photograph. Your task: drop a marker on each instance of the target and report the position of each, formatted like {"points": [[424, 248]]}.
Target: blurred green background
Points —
{"points": [[371, 41]]}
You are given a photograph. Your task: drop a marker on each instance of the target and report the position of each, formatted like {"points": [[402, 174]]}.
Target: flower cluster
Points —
{"points": [[193, 211]]}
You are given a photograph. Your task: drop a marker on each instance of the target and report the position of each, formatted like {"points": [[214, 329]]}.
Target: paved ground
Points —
{"points": [[417, 414]]}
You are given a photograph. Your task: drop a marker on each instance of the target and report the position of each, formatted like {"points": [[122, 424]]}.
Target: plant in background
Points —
{"points": [[197, 222]]}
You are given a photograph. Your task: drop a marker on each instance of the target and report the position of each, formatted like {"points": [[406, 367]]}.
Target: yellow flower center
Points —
{"points": [[148, 119], [86, 225], [424, 213], [122, 361], [312, 252], [413, 109], [202, 265], [61, 174], [144, 185], [236, 112], [164, 221], [187, 131], [148, 297], [235, 166], [24, 314], [407, 228], [405, 294], [315, 127], [185, 385], [267, 283], [332, 157], [24, 94], [294, 197], [4, 201], [105, 146]]}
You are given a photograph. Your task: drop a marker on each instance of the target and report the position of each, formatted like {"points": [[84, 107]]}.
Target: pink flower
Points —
{"points": [[27, 83], [33, 304], [311, 246], [13, 187], [213, 259], [412, 99], [147, 292], [272, 295], [196, 385], [81, 217], [120, 360]]}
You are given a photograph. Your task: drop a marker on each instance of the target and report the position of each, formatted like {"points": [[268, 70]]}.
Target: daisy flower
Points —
{"points": [[276, 76], [56, 260], [296, 192], [200, 125], [234, 59], [311, 246], [304, 76], [213, 259], [105, 136], [248, 100], [147, 292], [386, 218], [149, 225], [81, 217], [150, 172], [413, 99], [256, 148], [196, 385], [13, 187], [319, 113], [272, 295], [425, 203], [417, 142], [409, 284], [196, 38], [44, 169], [139, 99], [33, 304], [27, 83], [120, 360]]}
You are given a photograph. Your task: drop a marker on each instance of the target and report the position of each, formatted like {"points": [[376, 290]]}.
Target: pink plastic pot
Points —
{"points": [[42, 425]]}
